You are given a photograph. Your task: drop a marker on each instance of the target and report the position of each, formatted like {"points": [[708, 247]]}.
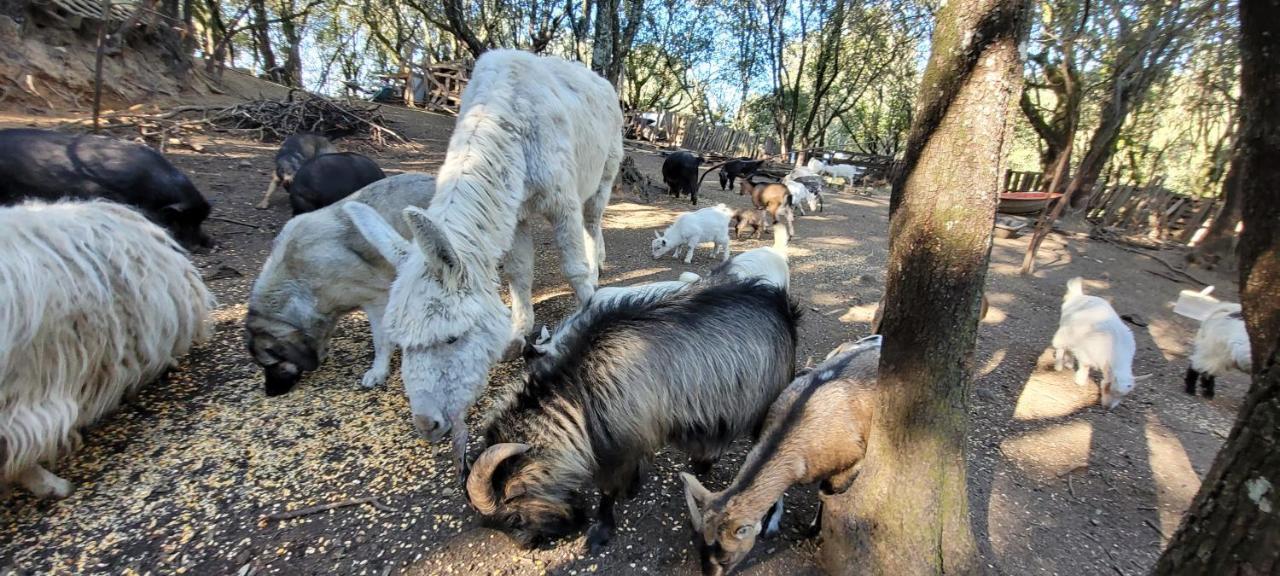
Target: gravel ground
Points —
{"points": [[187, 477]]}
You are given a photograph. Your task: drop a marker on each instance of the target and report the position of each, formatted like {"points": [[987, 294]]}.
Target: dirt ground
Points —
{"points": [[182, 480]]}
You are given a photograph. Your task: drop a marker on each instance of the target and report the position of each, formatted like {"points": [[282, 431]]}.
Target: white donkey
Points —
{"points": [[535, 135]]}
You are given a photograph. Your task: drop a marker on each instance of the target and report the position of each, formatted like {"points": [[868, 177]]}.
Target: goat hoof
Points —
{"points": [[598, 537]]}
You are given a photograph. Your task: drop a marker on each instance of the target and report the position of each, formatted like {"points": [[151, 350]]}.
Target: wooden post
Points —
{"points": [[97, 64]]}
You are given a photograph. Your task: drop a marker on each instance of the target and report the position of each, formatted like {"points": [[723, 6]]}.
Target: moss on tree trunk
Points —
{"points": [[907, 512]]}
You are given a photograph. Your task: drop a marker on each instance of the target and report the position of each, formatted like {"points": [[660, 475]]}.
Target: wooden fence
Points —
{"points": [[1150, 209], [690, 133], [1154, 210]]}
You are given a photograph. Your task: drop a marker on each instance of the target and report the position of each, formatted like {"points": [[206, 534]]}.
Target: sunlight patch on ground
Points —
{"points": [[993, 362], [1044, 397], [1172, 471], [232, 313], [630, 216], [1050, 452], [861, 313], [1169, 336]]}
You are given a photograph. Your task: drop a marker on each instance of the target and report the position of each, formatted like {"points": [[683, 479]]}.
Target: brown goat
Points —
{"points": [[815, 431], [771, 197], [747, 218]]}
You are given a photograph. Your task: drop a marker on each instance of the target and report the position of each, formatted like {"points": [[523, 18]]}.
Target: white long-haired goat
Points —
{"points": [[1092, 332], [95, 301], [535, 135], [1221, 345]]}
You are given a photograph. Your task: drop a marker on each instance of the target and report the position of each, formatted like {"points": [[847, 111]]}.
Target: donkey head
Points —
{"points": [[444, 314]]}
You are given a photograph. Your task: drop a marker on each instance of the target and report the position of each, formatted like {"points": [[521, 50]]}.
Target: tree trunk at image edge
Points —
{"points": [[1233, 525], [907, 512]]}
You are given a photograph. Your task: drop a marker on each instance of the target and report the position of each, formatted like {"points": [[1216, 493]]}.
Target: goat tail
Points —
{"points": [[704, 174], [1075, 287]]}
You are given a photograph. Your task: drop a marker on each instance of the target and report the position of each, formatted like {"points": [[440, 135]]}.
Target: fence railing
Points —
{"points": [[671, 129]]}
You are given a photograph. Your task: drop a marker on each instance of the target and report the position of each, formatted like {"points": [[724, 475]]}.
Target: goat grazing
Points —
{"points": [[771, 197], [1221, 344], [535, 135], [696, 369], [680, 173], [848, 172], [747, 218], [95, 302], [693, 228], [293, 153], [320, 269], [816, 431], [1092, 332], [733, 169], [806, 193]]}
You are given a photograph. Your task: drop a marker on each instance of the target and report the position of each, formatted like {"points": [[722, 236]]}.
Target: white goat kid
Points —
{"points": [[1092, 332], [693, 228], [535, 135]]}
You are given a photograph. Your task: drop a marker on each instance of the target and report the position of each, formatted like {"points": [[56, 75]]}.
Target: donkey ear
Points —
{"points": [[389, 243], [434, 243], [695, 497]]}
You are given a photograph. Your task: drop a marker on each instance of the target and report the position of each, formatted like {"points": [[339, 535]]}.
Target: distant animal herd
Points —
{"points": [[98, 297]]}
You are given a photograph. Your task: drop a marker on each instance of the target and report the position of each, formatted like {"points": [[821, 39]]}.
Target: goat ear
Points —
{"points": [[695, 497], [434, 243], [389, 243]]}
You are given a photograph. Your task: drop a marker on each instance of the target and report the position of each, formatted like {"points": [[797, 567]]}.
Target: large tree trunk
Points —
{"points": [[1233, 525], [262, 36], [907, 512]]}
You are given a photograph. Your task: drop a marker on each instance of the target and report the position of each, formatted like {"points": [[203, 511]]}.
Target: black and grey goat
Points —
{"points": [[696, 368]]}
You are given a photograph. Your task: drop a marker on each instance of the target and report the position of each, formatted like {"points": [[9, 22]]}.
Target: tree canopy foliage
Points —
{"points": [[1125, 90]]}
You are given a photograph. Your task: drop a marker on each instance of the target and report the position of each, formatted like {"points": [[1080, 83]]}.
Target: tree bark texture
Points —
{"points": [[907, 512], [1233, 525], [262, 36]]}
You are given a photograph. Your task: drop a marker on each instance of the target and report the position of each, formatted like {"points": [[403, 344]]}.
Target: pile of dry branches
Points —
{"points": [[265, 120], [278, 119]]}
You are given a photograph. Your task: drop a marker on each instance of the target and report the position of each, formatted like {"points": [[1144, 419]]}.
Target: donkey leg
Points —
{"points": [[518, 266], [573, 253], [382, 347], [592, 221], [43, 483]]}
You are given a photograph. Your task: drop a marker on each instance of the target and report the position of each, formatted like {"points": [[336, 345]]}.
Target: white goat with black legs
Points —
{"points": [[320, 269], [1092, 332], [1221, 345], [816, 431], [693, 228], [535, 135], [95, 301]]}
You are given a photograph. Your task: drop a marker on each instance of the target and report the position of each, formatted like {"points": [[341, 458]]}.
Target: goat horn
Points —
{"points": [[479, 482], [1143, 377]]}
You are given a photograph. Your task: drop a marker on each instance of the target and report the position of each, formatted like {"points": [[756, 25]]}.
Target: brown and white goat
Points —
{"points": [[815, 431], [771, 197]]}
